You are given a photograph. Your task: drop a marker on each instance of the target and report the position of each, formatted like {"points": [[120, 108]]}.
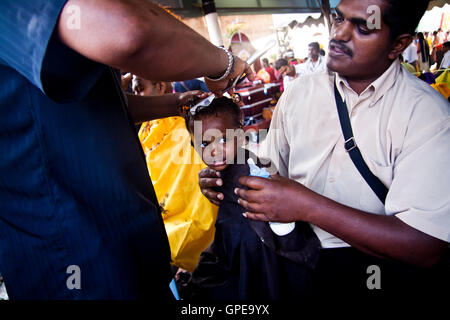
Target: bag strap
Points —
{"points": [[352, 149]]}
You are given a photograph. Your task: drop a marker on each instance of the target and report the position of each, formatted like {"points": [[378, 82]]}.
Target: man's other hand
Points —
{"points": [[208, 179]]}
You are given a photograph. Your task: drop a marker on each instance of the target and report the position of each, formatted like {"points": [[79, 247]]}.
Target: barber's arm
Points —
{"points": [[140, 37], [147, 108]]}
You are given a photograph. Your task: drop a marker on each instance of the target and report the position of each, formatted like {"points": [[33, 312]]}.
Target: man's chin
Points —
{"points": [[337, 66]]}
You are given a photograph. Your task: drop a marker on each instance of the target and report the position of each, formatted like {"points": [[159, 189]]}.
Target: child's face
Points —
{"points": [[215, 150]]}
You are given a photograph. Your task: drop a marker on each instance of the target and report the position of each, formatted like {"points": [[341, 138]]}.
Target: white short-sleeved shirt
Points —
{"points": [[410, 53], [402, 127], [309, 67], [446, 61]]}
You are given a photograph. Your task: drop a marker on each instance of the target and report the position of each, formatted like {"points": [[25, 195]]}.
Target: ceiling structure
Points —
{"points": [[192, 8], [437, 3]]}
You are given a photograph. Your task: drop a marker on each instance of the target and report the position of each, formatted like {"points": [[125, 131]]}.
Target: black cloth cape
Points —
{"points": [[247, 260]]}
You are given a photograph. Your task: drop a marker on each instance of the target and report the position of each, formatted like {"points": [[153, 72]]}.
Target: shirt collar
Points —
{"points": [[318, 62], [379, 87]]}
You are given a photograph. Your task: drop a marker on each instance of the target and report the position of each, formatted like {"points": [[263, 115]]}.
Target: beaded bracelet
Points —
{"points": [[229, 69]]}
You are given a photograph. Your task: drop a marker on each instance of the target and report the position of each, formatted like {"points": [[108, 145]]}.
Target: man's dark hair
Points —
{"points": [[447, 44], [218, 107], [280, 62], [403, 17], [314, 45]]}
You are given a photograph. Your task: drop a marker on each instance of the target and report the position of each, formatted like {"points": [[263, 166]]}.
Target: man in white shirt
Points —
{"points": [[410, 54], [446, 60], [402, 128], [315, 62]]}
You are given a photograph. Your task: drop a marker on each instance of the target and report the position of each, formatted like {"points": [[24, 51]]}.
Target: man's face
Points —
{"points": [[356, 51], [144, 87], [313, 52]]}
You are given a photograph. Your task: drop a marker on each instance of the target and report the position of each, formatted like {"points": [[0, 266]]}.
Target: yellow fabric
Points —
{"points": [[444, 77], [442, 88], [263, 75], [409, 67], [173, 165], [442, 84]]}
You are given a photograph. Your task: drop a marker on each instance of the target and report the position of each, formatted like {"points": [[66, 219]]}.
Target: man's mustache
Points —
{"points": [[341, 46]]}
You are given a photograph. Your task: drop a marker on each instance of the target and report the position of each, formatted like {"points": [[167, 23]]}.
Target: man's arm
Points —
{"points": [[147, 108], [140, 37], [284, 200]]}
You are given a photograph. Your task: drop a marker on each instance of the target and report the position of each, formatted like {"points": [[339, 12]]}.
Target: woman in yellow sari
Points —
{"points": [[173, 165]]}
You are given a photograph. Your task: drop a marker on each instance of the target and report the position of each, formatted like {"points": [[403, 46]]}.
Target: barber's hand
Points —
{"points": [[208, 179], [277, 199], [126, 80], [190, 96], [217, 87], [186, 98]]}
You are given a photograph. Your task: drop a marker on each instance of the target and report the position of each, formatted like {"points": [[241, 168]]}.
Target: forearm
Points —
{"points": [[379, 235], [144, 108], [139, 37]]}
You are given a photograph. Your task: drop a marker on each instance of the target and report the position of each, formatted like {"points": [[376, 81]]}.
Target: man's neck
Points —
{"points": [[359, 85], [314, 59]]}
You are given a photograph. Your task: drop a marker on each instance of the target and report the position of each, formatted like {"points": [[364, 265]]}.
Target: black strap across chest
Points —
{"points": [[355, 154]]}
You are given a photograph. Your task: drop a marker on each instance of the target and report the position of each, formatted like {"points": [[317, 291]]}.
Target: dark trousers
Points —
{"points": [[348, 272]]}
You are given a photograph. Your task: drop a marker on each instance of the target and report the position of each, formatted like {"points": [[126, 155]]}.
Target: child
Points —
{"points": [[246, 259]]}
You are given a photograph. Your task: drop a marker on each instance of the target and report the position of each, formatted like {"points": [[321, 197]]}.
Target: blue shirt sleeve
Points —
{"points": [[30, 45], [203, 87]]}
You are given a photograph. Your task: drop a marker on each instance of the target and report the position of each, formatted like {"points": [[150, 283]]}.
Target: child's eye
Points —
{"points": [[223, 140], [204, 144]]}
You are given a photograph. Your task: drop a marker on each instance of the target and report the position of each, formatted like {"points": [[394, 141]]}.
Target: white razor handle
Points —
{"points": [[282, 229]]}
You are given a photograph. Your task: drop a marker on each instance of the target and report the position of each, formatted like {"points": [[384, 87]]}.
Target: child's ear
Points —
{"points": [[161, 87]]}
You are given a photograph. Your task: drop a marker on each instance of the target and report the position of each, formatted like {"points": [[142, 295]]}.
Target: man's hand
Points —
{"points": [[283, 200], [217, 87], [185, 98], [277, 199], [146, 108], [126, 80], [208, 179]]}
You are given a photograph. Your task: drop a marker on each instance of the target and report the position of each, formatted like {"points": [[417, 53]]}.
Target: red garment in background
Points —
{"points": [[271, 72]]}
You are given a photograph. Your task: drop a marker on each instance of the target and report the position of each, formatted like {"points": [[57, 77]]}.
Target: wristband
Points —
{"points": [[230, 67]]}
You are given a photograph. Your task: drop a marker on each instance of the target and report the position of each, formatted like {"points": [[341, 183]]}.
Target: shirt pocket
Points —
{"points": [[368, 199]]}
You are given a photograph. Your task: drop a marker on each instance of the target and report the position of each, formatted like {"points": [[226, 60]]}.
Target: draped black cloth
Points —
{"points": [[247, 260]]}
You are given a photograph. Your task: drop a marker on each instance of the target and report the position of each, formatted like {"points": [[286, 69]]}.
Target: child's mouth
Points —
{"points": [[219, 163]]}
